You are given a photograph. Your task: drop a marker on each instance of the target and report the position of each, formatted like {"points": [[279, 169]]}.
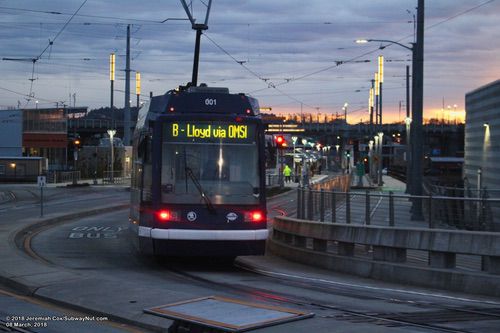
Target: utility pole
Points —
{"points": [[126, 112], [416, 130]]}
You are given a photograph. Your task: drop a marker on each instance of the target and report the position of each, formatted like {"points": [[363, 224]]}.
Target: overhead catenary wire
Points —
{"points": [[313, 73], [49, 45], [265, 80]]}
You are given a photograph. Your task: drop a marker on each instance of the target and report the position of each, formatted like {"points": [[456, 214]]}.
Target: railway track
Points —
{"points": [[434, 318]]}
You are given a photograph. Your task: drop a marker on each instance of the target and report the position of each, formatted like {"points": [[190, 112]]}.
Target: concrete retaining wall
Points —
{"points": [[336, 247]]}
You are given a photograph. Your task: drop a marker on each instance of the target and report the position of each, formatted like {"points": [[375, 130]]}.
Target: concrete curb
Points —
{"points": [[15, 237], [18, 285], [5, 197], [21, 233]]}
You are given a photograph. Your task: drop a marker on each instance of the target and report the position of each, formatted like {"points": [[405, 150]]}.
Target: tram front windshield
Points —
{"points": [[225, 170]]}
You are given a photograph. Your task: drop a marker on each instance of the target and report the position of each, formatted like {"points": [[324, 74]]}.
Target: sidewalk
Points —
{"points": [[392, 184], [315, 179]]}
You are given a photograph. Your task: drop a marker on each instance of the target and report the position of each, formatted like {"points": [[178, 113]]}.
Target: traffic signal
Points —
{"points": [[280, 141], [77, 144]]}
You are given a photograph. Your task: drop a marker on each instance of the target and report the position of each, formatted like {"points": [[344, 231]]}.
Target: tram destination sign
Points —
{"points": [[209, 132]]}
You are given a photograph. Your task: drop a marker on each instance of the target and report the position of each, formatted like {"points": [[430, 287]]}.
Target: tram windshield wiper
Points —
{"points": [[198, 186]]}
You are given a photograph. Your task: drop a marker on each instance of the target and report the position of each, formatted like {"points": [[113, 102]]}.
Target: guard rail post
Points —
{"points": [[303, 203], [322, 205], [391, 209], [431, 221], [299, 201], [310, 213], [347, 208], [367, 208], [334, 207]]}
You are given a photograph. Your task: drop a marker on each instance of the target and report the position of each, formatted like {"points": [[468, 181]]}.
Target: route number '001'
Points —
{"points": [[210, 101]]}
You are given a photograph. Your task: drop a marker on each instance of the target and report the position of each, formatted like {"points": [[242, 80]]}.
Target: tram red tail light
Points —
{"points": [[255, 216], [166, 215]]}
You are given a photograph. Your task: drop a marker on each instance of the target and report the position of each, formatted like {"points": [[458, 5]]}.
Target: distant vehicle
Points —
{"points": [[105, 142], [198, 182]]}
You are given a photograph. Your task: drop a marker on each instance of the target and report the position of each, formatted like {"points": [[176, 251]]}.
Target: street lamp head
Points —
{"points": [[111, 133], [408, 120], [362, 41], [486, 125]]}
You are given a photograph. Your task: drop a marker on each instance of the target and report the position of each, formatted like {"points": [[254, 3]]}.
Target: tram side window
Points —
{"points": [[144, 178], [144, 150]]}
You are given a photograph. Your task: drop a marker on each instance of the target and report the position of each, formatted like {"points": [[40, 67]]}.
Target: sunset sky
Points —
{"points": [[288, 54]]}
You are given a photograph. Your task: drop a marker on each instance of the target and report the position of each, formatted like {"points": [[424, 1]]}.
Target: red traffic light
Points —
{"points": [[280, 141]]}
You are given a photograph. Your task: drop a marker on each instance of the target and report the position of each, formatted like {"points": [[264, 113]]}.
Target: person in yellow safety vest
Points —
{"points": [[287, 172]]}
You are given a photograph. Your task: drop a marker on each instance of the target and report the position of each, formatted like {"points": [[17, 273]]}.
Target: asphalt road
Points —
{"points": [[106, 277]]}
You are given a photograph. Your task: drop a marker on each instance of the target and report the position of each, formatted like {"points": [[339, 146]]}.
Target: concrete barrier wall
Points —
{"points": [[381, 253]]}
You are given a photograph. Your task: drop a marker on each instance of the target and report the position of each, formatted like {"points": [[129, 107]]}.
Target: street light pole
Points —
{"points": [[416, 131], [294, 141], [112, 133], [408, 153], [380, 160]]}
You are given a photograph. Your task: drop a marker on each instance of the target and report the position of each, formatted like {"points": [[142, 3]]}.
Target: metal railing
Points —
{"points": [[390, 209], [272, 179], [115, 177], [63, 176]]}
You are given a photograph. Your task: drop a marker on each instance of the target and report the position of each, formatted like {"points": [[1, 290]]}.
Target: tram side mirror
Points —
{"points": [[256, 192]]}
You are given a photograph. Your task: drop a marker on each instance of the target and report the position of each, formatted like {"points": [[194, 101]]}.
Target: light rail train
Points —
{"points": [[198, 183]]}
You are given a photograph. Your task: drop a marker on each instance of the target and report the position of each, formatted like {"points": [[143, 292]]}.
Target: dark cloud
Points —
{"points": [[277, 40]]}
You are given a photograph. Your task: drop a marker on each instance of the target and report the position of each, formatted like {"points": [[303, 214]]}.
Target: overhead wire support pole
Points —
{"points": [[417, 115], [126, 112]]}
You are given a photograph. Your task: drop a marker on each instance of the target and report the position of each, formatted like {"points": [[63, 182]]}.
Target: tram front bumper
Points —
{"points": [[186, 242], [216, 235]]}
